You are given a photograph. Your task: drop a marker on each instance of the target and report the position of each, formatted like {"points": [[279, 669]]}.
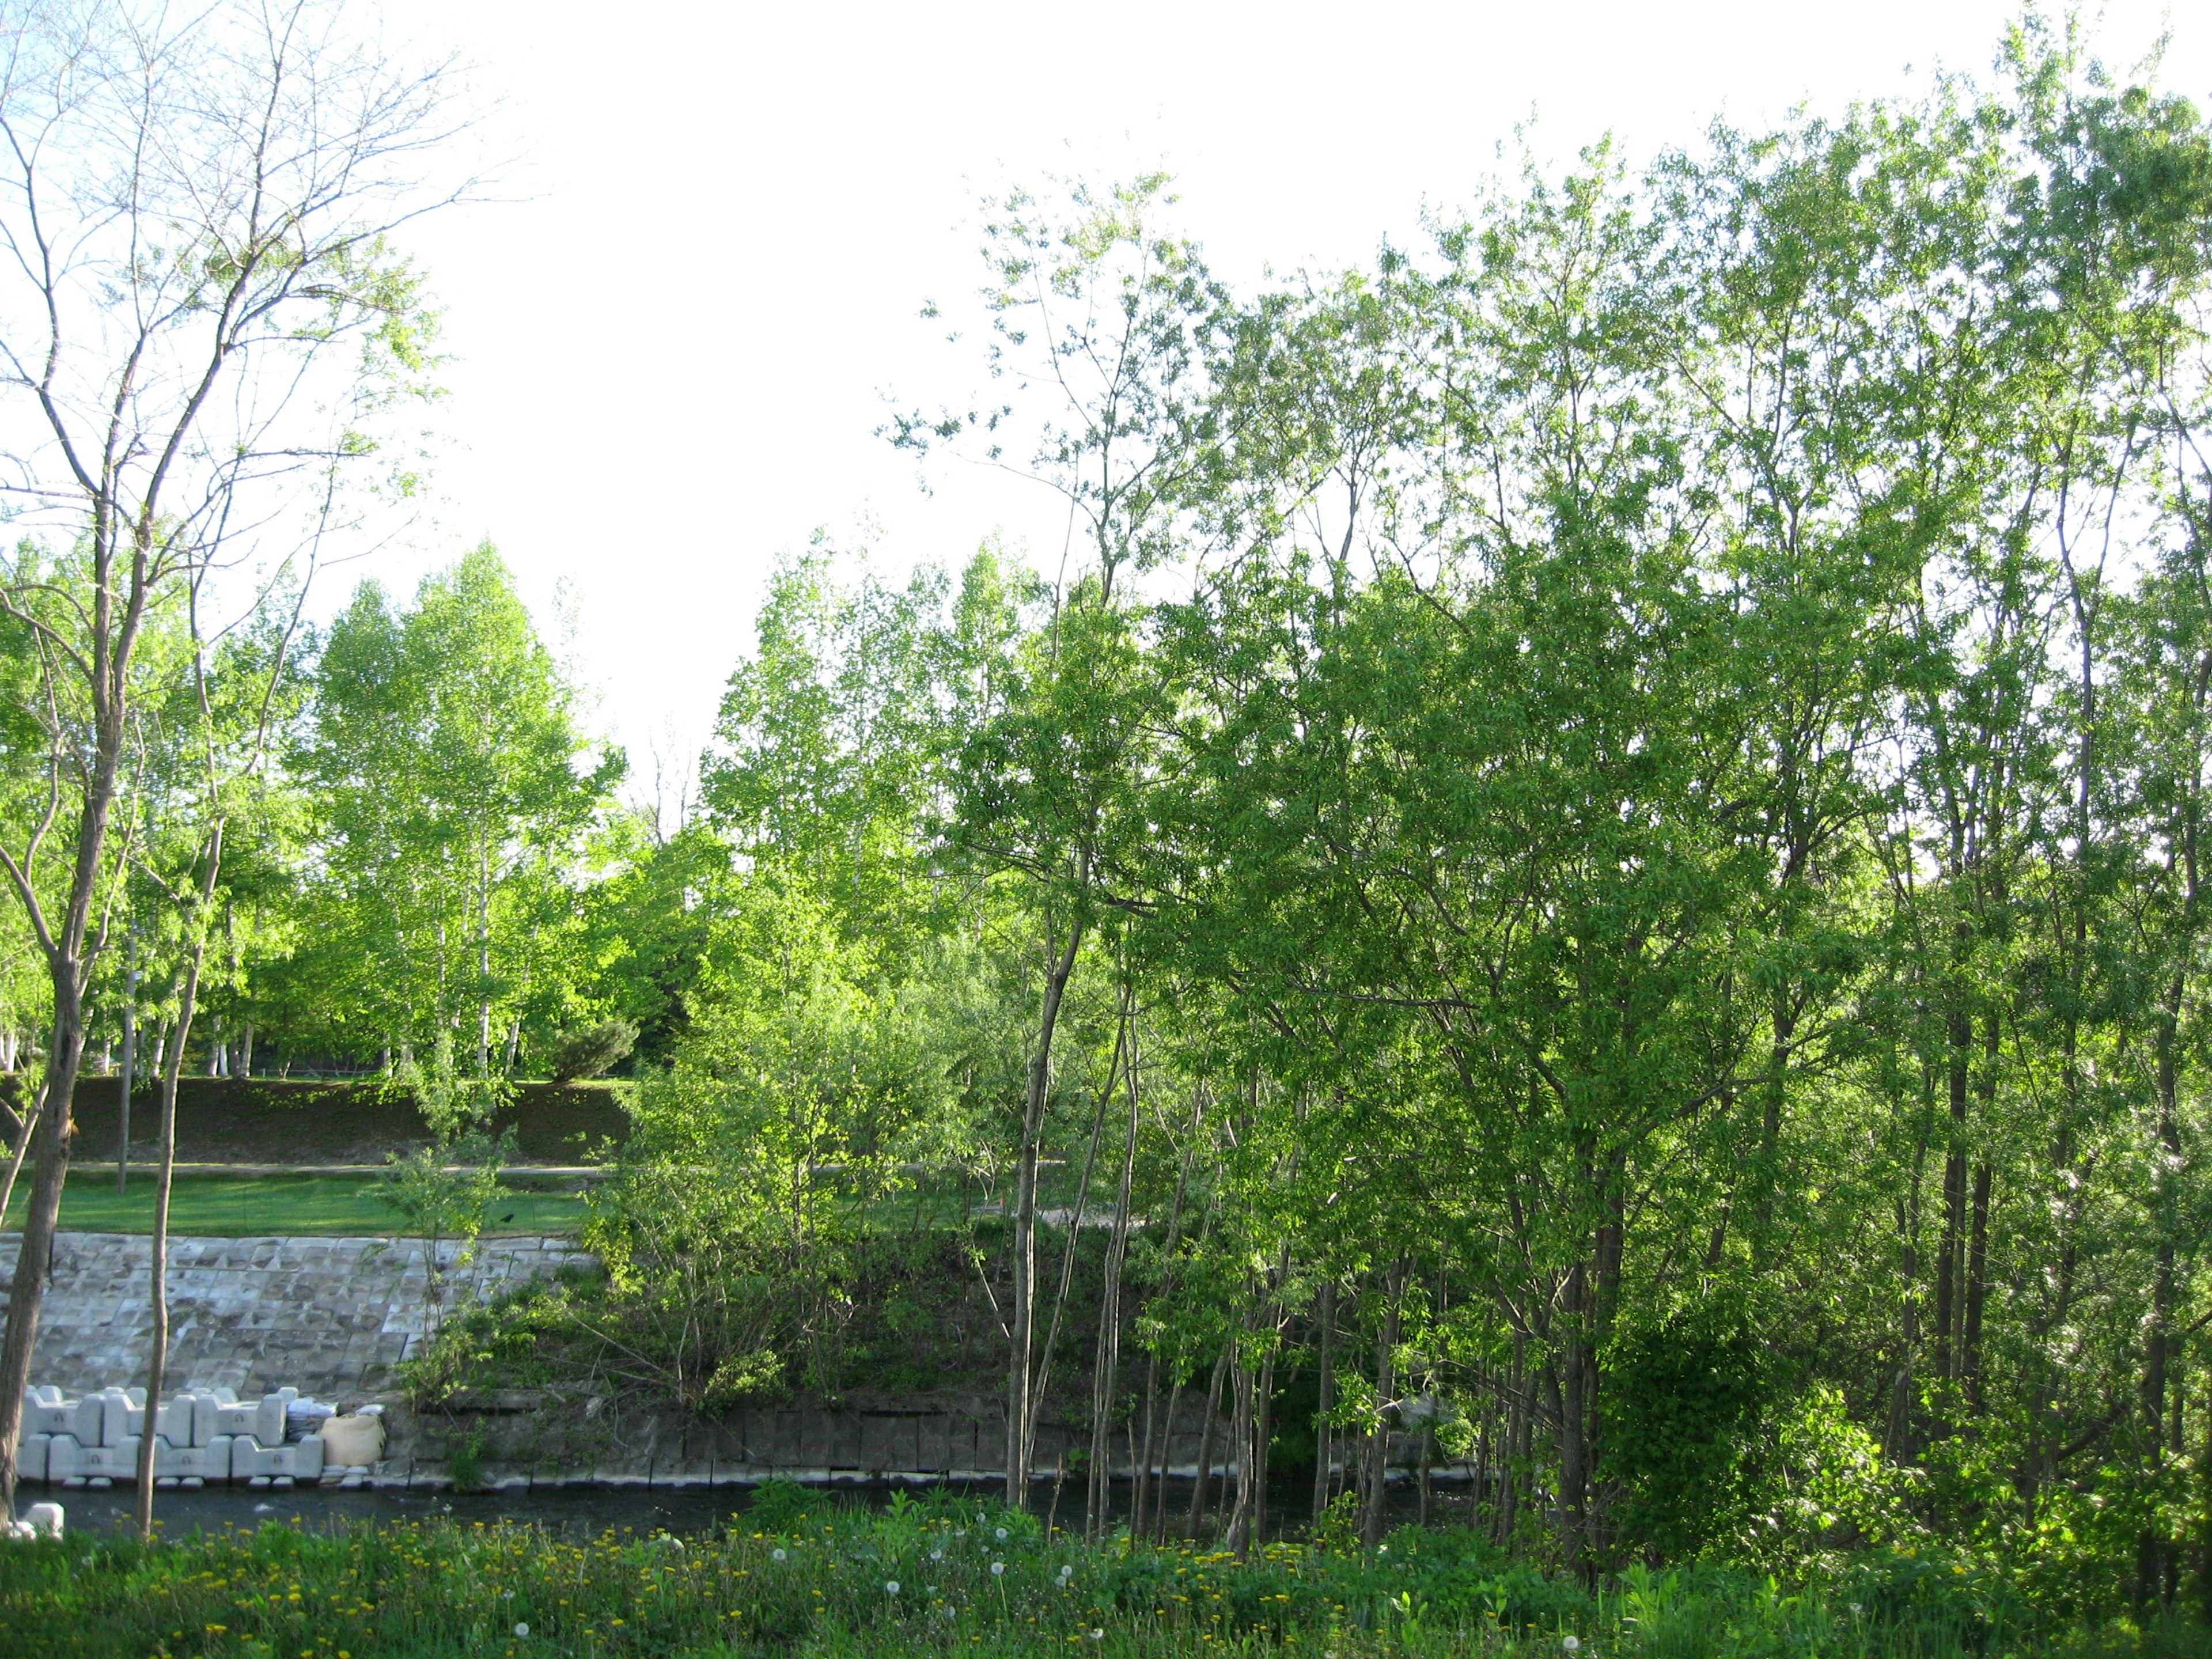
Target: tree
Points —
{"points": [[203, 316], [456, 800]]}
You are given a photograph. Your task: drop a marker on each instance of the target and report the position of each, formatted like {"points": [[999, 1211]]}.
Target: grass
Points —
{"points": [[949, 1576], [241, 1207]]}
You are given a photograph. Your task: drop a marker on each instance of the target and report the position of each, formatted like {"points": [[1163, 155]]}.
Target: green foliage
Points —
{"points": [[449, 777], [593, 1052], [1691, 1397]]}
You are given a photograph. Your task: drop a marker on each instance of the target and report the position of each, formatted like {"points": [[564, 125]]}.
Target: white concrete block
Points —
{"points": [[79, 1418], [205, 1424], [64, 1455], [109, 1463], [208, 1462], [174, 1421], [114, 1417], [47, 1412], [263, 1419], [300, 1459], [31, 1456]]}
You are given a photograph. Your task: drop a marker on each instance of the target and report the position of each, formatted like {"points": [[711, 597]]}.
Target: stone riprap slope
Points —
{"points": [[327, 1316]]}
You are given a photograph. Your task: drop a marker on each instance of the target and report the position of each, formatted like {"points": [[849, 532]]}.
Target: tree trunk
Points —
{"points": [[1574, 1406], [25, 1131], [1955, 1202], [157, 1340], [1263, 1427], [1108, 1359], [1205, 1446], [1324, 1452], [1237, 1535], [35, 1249], [130, 1059], [1020, 1409], [1386, 1381]]}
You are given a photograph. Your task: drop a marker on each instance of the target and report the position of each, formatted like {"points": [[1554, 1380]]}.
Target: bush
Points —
{"points": [[592, 1053]]}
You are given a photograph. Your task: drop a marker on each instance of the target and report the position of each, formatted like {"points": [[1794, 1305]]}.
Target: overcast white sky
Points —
{"points": [[673, 350]]}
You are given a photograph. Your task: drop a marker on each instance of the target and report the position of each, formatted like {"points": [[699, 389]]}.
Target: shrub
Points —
{"points": [[592, 1053]]}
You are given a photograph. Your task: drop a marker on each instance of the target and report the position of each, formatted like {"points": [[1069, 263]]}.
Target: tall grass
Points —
{"points": [[951, 1575]]}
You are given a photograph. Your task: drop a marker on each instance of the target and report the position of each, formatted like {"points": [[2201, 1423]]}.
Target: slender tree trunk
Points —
{"points": [[1386, 1383], [1159, 1499], [157, 1341], [1237, 1533], [1263, 1427], [1042, 1381], [1149, 1490], [1325, 1363], [483, 958], [157, 1356], [1517, 1435], [1205, 1446], [29, 1127], [35, 1249], [1020, 1406], [130, 1058], [1978, 1265], [1955, 1202], [1574, 1416], [1108, 1360]]}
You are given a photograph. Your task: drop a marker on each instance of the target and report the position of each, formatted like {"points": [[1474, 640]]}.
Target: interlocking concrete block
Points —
{"points": [[70, 1459], [45, 1411], [31, 1456], [81, 1418], [172, 1421], [299, 1460], [118, 1462], [208, 1462], [63, 1455], [206, 1425], [263, 1419], [114, 1417]]}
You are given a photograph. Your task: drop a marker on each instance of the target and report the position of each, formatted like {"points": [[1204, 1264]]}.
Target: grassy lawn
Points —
{"points": [[238, 1206]]}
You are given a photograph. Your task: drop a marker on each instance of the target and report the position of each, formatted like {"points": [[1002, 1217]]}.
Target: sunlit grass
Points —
{"points": [[244, 1206], [947, 1575]]}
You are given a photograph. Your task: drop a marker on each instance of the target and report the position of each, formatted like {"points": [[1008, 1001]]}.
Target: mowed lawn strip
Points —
{"points": [[248, 1206]]}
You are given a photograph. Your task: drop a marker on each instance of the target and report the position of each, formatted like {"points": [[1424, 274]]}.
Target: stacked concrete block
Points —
{"points": [[261, 1420], [199, 1436], [297, 1460]]}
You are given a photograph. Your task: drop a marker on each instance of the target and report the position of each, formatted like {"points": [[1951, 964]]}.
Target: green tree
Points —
{"points": [[457, 795]]}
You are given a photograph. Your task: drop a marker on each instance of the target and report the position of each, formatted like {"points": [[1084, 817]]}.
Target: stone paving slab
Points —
{"points": [[327, 1316]]}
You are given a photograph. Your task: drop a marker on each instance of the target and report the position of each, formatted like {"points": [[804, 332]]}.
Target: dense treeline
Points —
{"points": [[1595, 848]]}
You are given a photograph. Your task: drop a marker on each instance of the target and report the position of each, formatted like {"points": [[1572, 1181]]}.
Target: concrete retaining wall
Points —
{"points": [[329, 1317]]}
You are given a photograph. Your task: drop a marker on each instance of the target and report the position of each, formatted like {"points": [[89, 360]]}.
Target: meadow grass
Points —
{"points": [[952, 1576], [247, 1207]]}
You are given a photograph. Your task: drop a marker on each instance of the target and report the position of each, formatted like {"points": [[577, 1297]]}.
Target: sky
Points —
{"points": [[694, 293]]}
